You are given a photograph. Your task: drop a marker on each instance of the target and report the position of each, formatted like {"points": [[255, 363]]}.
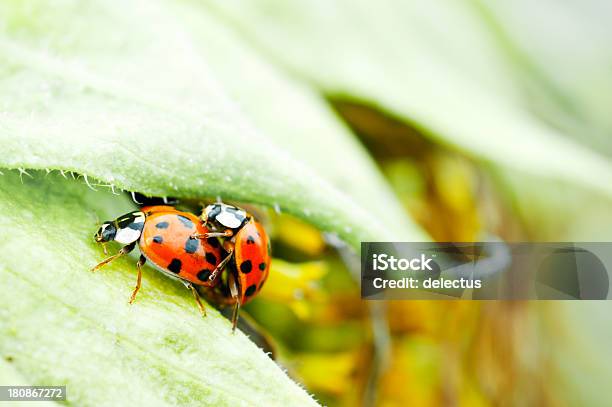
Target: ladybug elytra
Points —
{"points": [[248, 254], [165, 238], [196, 251]]}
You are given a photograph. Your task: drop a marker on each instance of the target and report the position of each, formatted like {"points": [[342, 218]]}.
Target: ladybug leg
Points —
{"points": [[213, 276], [197, 298], [139, 265], [124, 250], [226, 233], [235, 290]]}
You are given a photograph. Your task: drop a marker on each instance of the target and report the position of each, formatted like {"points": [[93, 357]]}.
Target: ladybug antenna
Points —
{"points": [[97, 219], [98, 225]]}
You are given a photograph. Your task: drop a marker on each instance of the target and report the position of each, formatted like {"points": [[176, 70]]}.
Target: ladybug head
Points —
{"points": [[106, 233], [221, 216]]}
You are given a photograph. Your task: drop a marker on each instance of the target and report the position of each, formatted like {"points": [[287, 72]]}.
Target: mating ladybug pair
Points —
{"points": [[196, 251]]}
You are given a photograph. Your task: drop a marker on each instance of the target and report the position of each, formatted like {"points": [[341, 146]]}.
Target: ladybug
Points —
{"points": [[247, 259], [166, 239]]}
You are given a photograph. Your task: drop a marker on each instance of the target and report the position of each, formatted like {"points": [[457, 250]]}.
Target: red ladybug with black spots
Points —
{"points": [[247, 256], [166, 238]]}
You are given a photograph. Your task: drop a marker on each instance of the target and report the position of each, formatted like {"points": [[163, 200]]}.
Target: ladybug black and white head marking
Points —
{"points": [[126, 229], [106, 233], [224, 216]]}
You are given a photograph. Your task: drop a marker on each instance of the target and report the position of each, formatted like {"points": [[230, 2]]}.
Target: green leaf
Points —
{"points": [[179, 107], [10, 376], [159, 98], [579, 341], [60, 324], [433, 64], [564, 72]]}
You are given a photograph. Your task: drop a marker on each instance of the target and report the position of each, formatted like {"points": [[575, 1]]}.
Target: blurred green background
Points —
{"points": [[468, 108]]}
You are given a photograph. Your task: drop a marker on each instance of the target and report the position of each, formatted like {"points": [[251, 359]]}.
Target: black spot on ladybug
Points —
{"points": [[158, 239], [185, 221], [213, 241], [162, 225], [250, 240], [175, 266], [246, 267], [191, 245], [262, 266], [250, 290], [211, 258], [203, 275]]}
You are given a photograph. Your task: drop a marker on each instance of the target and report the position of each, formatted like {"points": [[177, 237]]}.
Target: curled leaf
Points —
{"points": [[60, 324]]}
